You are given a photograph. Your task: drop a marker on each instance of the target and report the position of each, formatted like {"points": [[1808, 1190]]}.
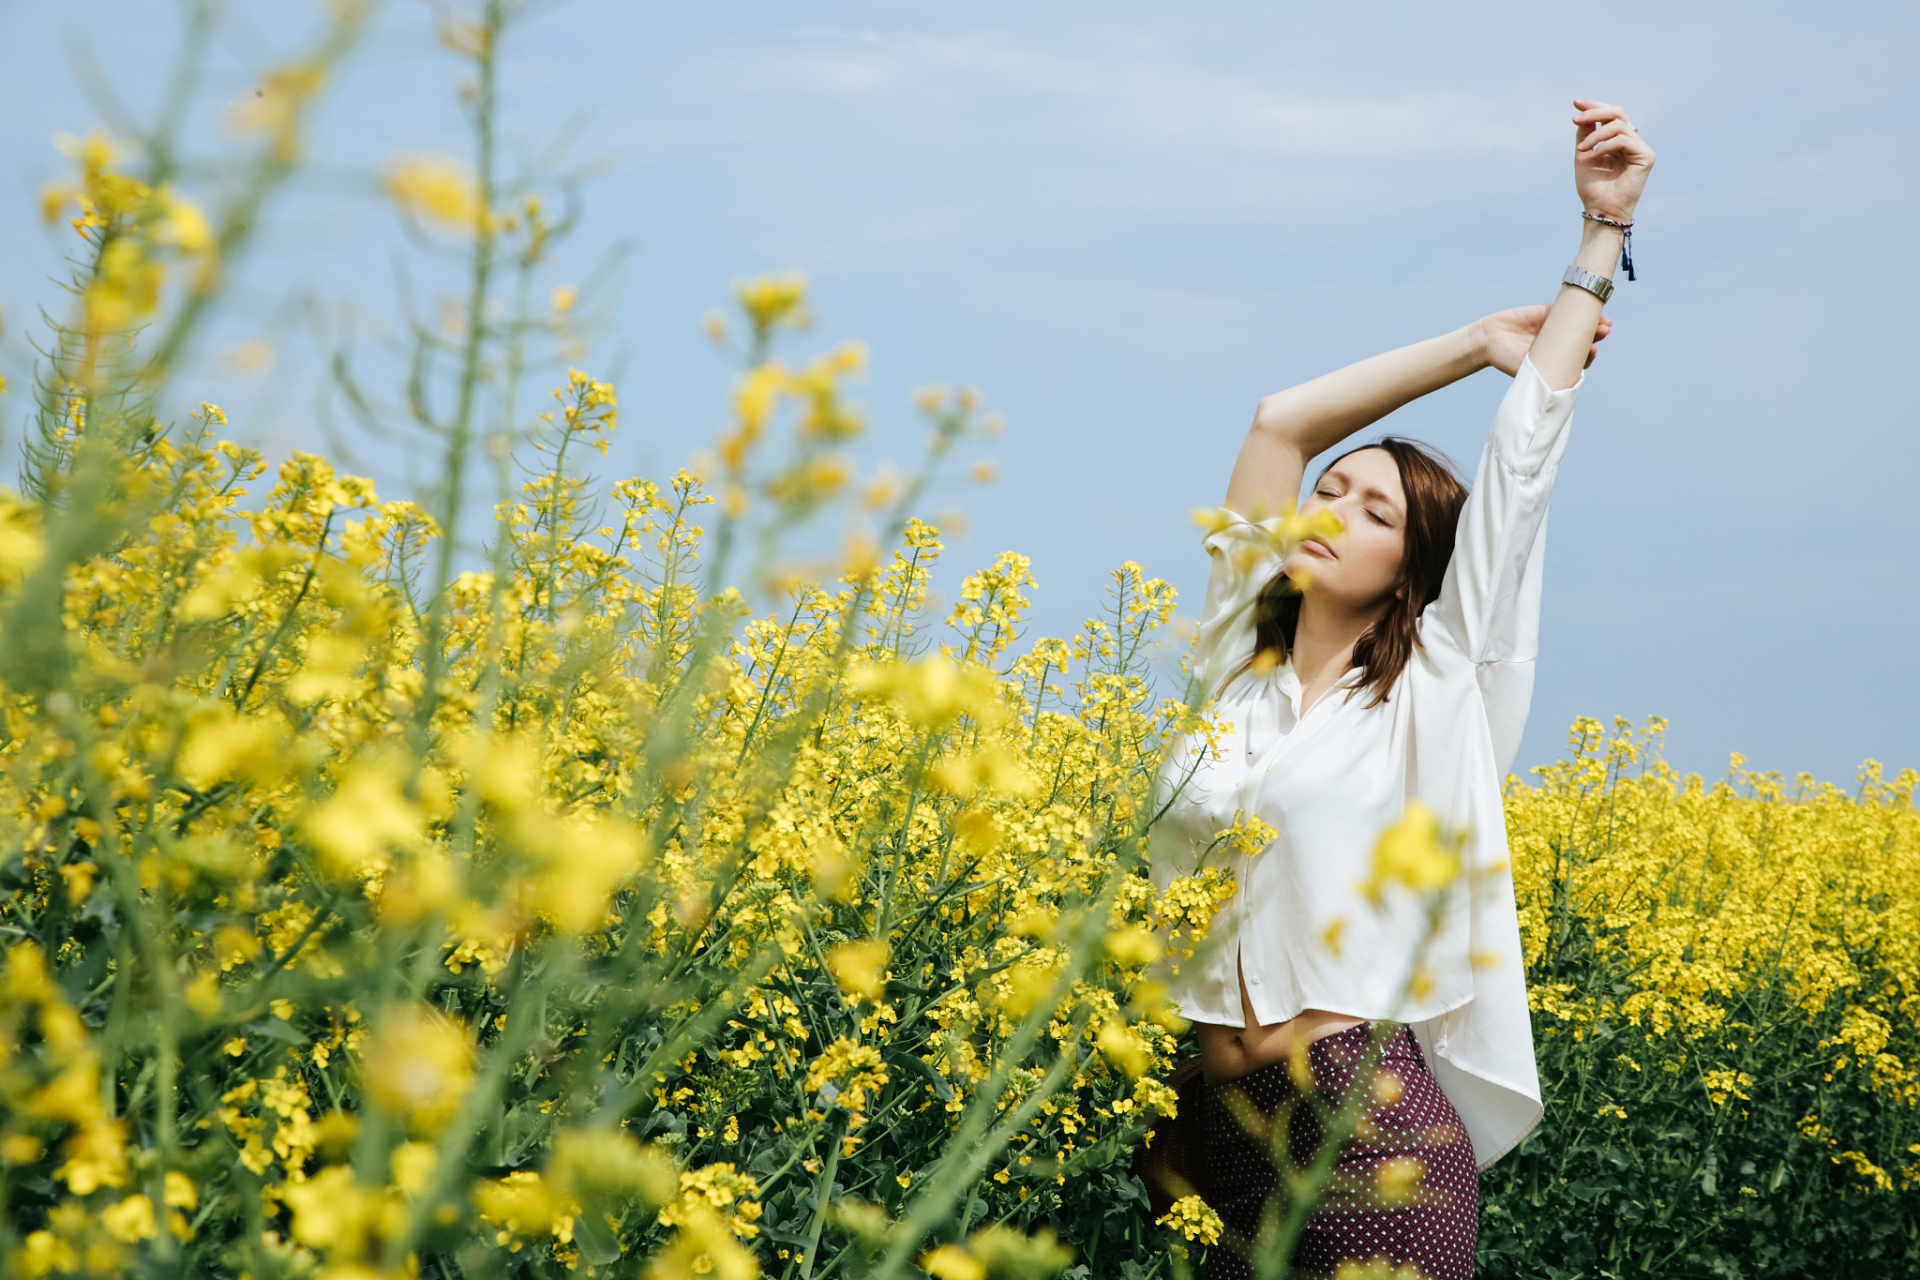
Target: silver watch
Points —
{"points": [[1597, 285]]}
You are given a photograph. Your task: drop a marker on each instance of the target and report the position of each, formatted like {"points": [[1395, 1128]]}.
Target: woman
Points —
{"points": [[1387, 662]]}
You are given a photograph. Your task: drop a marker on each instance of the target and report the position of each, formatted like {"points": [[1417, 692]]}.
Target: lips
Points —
{"points": [[1317, 545]]}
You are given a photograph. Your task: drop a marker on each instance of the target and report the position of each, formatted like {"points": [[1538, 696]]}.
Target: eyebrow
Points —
{"points": [[1369, 492]]}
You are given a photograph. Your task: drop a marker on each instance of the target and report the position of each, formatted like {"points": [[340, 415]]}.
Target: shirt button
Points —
{"points": [[1254, 981]]}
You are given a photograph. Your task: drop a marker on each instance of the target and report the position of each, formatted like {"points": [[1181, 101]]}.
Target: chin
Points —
{"points": [[1304, 578], [1306, 569]]}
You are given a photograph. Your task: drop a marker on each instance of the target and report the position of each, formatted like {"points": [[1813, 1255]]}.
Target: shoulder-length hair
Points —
{"points": [[1435, 496]]}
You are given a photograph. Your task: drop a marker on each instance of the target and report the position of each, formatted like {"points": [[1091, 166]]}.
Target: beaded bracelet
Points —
{"points": [[1626, 242]]}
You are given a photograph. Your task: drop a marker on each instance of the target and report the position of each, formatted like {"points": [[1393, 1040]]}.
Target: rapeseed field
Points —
{"points": [[376, 905]]}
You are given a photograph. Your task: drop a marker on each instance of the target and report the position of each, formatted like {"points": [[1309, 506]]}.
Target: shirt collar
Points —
{"points": [[1288, 682]]}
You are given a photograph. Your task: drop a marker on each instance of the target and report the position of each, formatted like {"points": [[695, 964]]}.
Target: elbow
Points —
{"points": [[1272, 421], [1278, 425]]}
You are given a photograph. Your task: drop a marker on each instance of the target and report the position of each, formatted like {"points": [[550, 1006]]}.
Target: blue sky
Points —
{"points": [[1126, 222]]}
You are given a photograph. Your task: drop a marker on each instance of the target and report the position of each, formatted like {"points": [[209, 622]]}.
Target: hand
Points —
{"points": [[1505, 337], [1610, 162]]}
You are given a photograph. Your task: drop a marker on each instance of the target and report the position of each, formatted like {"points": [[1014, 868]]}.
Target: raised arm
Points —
{"points": [[1610, 168], [1489, 604], [1290, 427]]}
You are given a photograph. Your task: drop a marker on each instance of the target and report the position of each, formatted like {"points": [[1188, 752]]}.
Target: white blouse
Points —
{"points": [[1331, 780]]}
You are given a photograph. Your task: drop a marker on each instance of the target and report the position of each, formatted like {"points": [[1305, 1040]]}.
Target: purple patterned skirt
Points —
{"points": [[1403, 1190]]}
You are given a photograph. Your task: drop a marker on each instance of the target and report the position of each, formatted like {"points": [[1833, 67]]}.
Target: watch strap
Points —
{"points": [[1597, 285]]}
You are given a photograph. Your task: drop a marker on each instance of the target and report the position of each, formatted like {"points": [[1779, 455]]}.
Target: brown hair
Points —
{"points": [[1434, 498]]}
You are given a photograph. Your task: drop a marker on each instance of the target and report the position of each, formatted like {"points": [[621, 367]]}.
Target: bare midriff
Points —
{"points": [[1227, 1053]]}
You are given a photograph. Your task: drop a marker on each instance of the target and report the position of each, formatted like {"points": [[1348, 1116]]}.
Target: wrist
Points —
{"points": [[1477, 346], [1610, 214], [1599, 250], [1602, 237]]}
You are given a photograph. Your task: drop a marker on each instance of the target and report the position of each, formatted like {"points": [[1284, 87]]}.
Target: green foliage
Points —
{"points": [[1724, 989]]}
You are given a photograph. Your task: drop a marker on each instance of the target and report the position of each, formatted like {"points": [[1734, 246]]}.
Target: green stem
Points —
{"points": [[460, 430]]}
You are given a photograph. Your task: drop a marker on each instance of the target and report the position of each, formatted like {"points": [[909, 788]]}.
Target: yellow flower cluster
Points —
{"points": [[1755, 940], [435, 187], [1194, 1219], [133, 228], [998, 1251], [395, 916], [376, 901], [1699, 888]]}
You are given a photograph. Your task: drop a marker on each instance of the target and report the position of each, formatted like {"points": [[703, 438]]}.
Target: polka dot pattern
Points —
{"points": [[1404, 1190]]}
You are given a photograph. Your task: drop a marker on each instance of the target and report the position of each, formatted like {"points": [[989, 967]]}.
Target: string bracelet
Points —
{"points": [[1626, 243]]}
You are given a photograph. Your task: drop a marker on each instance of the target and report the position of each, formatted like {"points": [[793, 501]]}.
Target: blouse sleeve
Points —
{"points": [[1243, 558], [1489, 603]]}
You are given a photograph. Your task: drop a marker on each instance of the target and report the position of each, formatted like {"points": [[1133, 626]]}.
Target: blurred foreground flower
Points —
{"points": [[435, 188], [418, 1064], [1412, 853]]}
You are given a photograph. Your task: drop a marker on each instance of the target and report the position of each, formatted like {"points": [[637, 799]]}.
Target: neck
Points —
{"points": [[1324, 637]]}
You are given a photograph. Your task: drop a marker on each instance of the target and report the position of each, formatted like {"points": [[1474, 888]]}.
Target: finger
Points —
{"points": [[1622, 139], [1611, 129], [1604, 328], [1625, 142], [1595, 112]]}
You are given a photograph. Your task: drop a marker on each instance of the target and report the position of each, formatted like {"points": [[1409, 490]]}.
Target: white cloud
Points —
{"points": [[1001, 132]]}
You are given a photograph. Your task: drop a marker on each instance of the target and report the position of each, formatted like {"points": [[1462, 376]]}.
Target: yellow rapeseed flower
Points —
{"points": [[1134, 945], [1124, 1049], [435, 188], [180, 1193], [1399, 1180], [1194, 1219], [1411, 853], [131, 1220], [775, 301], [418, 1063], [357, 827], [932, 693], [951, 1262], [860, 966]]}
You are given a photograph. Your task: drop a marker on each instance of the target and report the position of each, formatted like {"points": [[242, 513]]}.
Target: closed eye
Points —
{"points": [[1377, 518]]}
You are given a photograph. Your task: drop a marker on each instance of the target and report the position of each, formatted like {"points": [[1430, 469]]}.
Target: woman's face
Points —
{"points": [[1359, 566]]}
